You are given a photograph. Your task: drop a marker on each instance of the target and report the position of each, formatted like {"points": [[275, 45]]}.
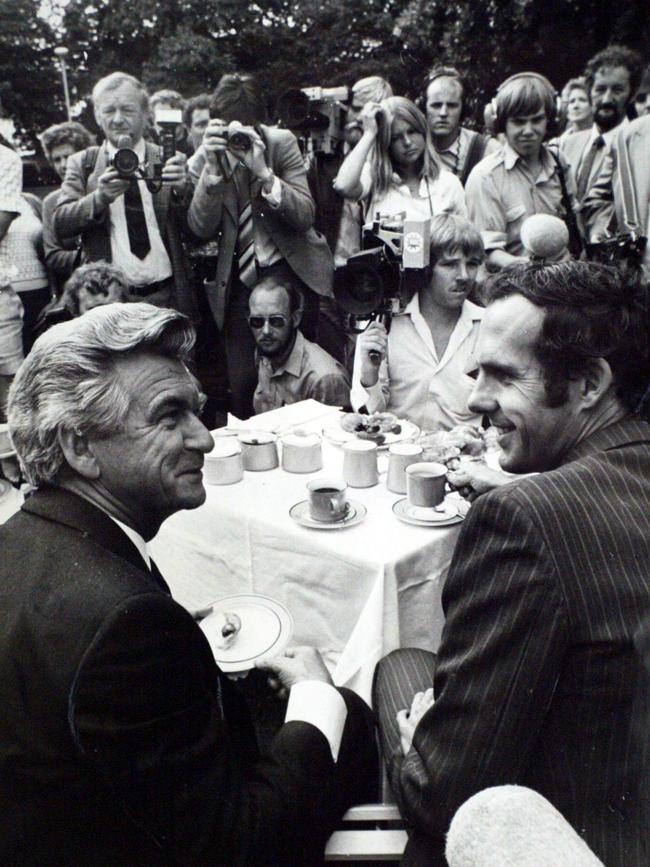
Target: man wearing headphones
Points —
{"points": [[522, 177], [459, 149]]}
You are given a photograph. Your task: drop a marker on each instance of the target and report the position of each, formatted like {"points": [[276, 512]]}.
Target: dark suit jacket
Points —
{"points": [[74, 215], [121, 743], [61, 259], [214, 213], [537, 670]]}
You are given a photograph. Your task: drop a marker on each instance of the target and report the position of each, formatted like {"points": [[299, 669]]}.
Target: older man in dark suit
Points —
{"points": [[119, 218], [121, 742], [251, 193], [536, 673]]}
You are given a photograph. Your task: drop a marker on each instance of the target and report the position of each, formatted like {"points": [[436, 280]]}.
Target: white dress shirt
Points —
{"points": [[444, 195], [414, 382], [156, 265]]}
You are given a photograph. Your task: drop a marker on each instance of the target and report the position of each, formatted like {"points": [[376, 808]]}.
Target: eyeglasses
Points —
{"points": [[275, 321]]}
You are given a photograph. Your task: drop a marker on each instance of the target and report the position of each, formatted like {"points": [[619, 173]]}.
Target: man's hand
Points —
{"points": [[175, 173], [110, 186], [293, 666], [373, 340], [214, 144], [407, 720], [473, 478]]}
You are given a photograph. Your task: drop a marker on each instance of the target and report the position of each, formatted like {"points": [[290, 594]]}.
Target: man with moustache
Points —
{"points": [[612, 76], [536, 677], [459, 149]]}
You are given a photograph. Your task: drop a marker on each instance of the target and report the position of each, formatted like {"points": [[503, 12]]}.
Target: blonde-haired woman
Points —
{"points": [[393, 168]]}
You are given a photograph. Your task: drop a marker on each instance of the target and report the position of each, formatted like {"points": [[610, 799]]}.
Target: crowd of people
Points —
{"points": [[139, 304]]}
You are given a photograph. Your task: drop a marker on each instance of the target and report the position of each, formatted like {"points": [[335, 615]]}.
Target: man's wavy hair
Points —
{"points": [[68, 133], [591, 311], [612, 56], [68, 380]]}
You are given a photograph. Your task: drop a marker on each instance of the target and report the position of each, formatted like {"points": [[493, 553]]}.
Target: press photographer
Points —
{"points": [[419, 369], [251, 192], [126, 198]]}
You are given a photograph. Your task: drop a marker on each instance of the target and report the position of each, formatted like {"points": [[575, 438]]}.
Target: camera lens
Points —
{"points": [[239, 140], [126, 161]]}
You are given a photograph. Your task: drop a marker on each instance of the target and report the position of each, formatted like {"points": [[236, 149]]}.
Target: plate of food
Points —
{"points": [[241, 629], [382, 428]]}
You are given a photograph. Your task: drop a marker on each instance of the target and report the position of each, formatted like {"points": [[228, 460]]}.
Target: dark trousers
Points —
{"points": [[33, 302]]}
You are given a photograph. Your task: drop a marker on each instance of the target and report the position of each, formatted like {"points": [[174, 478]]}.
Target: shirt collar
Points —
{"points": [[136, 538], [511, 157], [293, 364], [608, 137]]}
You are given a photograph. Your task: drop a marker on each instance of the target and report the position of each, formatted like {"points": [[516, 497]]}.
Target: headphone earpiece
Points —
{"points": [[500, 122]]}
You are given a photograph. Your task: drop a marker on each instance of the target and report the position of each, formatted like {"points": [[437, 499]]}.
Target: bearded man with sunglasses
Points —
{"points": [[290, 367]]}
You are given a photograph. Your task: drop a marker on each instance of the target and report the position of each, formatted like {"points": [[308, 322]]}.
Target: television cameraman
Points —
{"points": [[427, 355]]}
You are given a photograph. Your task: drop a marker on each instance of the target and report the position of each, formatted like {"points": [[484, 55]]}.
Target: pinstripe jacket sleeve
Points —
{"points": [[504, 635]]}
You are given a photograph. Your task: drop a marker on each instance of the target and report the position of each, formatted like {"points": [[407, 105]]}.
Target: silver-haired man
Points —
{"points": [[121, 742]]}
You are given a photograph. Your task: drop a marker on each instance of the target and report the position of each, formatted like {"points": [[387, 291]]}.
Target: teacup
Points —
{"points": [[302, 453], [401, 456], [224, 465], [327, 500], [259, 450], [425, 483], [360, 464]]}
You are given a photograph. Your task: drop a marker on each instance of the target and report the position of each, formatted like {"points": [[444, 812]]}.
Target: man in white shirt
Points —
{"points": [[121, 741], [426, 357], [120, 219]]}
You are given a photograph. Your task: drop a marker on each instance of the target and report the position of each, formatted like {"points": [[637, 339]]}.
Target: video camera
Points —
{"points": [[127, 162], [378, 282], [316, 115]]}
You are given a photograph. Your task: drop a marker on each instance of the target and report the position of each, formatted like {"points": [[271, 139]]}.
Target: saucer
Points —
{"points": [[266, 629], [424, 516], [355, 515]]}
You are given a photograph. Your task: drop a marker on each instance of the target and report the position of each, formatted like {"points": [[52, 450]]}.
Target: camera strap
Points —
{"points": [[576, 242]]}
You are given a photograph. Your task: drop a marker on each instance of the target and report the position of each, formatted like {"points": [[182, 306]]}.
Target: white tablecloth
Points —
{"points": [[355, 593]]}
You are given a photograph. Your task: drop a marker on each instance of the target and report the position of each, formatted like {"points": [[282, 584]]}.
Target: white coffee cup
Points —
{"points": [[259, 450], [302, 453], [327, 500], [360, 464], [425, 483], [400, 456], [224, 465]]}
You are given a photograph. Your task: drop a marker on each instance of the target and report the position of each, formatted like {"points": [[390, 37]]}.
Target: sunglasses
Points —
{"points": [[275, 321]]}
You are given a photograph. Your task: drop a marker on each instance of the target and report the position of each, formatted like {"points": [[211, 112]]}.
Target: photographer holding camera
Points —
{"points": [[419, 369], [121, 215], [251, 193]]}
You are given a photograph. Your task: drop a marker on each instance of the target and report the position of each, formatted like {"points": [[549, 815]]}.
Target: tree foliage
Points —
{"points": [[189, 44]]}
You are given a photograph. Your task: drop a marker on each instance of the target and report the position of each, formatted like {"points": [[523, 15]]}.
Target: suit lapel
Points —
{"points": [[63, 507], [100, 166]]}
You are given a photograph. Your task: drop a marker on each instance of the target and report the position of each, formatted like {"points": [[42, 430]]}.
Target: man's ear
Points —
{"points": [[296, 317], [79, 454], [595, 382]]}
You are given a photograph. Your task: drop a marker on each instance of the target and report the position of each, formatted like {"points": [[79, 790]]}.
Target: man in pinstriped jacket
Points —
{"points": [[536, 674]]}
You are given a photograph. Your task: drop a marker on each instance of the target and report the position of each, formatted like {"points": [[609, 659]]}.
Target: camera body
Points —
{"points": [[621, 251], [126, 160], [394, 263], [316, 115], [233, 133]]}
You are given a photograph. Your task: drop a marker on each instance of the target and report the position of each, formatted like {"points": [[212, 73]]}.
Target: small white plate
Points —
{"points": [[421, 516], [355, 515], [266, 629], [335, 434]]}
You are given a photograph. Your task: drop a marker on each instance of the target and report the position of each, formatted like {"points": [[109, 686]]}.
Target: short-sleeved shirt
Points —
{"points": [[11, 180], [308, 372], [414, 382], [442, 195], [501, 193]]}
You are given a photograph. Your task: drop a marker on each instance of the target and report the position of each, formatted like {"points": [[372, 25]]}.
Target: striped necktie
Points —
{"points": [[245, 237]]}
